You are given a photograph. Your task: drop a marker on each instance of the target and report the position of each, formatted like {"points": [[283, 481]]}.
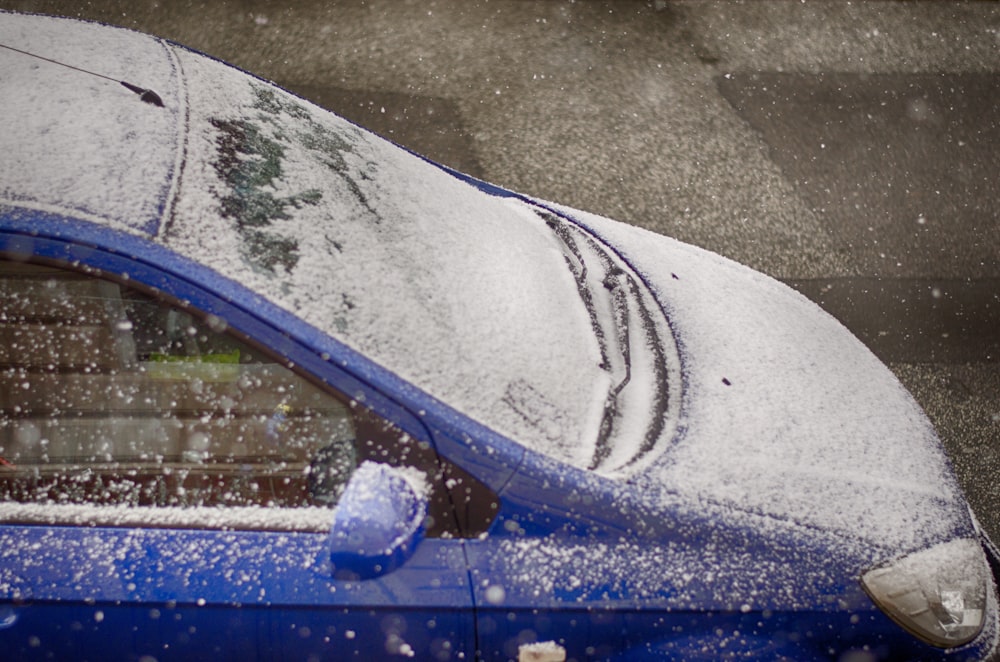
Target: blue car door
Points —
{"points": [[168, 483]]}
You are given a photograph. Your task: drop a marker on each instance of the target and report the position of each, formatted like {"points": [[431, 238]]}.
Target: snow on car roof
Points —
{"points": [[73, 141], [466, 295]]}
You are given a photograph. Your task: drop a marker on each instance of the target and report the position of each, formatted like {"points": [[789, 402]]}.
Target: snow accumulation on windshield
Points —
{"points": [[637, 351], [465, 295]]}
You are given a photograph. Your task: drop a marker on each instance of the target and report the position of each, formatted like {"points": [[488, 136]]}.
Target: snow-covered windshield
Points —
{"points": [[464, 294]]}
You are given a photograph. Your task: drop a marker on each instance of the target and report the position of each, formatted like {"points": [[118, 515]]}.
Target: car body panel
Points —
{"points": [[193, 594]]}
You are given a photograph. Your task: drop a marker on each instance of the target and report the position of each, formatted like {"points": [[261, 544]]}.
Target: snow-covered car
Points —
{"points": [[272, 387]]}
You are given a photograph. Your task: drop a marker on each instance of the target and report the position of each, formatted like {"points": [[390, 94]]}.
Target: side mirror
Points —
{"points": [[377, 523]]}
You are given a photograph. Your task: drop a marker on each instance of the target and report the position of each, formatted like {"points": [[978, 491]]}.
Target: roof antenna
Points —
{"points": [[145, 94]]}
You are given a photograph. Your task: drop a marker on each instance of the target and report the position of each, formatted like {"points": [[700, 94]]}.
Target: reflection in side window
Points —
{"points": [[117, 409]]}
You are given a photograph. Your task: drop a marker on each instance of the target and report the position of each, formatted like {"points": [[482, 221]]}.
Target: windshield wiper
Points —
{"points": [[635, 410]]}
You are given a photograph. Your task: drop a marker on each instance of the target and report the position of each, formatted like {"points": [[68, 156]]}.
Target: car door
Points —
{"points": [[168, 484]]}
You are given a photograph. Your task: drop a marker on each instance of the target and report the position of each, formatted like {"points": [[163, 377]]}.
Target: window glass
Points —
{"points": [[119, 409]]}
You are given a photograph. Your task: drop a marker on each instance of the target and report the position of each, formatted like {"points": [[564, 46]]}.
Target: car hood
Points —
{"points": [[785, 415]]}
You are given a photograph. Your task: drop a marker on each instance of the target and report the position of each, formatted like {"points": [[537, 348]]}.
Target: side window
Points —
{"points": [[117, 408]]}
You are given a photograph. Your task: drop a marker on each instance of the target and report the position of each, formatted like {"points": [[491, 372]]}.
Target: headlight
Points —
{"points": [[938, 594]]}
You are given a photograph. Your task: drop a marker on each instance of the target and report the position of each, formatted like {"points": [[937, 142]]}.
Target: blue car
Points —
{"points": [[273, 388]]}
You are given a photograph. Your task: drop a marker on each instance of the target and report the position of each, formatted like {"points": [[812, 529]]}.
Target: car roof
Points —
{"points": [[465, 295], [71, 142]]}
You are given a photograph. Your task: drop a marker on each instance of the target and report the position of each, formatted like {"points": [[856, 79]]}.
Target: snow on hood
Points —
{"points": [[785, 413]]}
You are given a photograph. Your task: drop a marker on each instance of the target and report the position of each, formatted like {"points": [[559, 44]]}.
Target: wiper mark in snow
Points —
{"points": [[635, 411], [535, 408]]}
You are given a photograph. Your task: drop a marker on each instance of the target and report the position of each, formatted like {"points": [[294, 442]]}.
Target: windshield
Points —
{"points": [[464, 294]]}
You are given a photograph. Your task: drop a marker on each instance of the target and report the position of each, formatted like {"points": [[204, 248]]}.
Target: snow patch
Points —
{"points": [[542, 651]]}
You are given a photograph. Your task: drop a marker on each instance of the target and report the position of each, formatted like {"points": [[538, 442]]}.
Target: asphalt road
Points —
{"points": [[849, 149]]}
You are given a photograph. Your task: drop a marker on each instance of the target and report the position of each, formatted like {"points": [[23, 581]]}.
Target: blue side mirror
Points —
{"points": [[377, 523]]}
